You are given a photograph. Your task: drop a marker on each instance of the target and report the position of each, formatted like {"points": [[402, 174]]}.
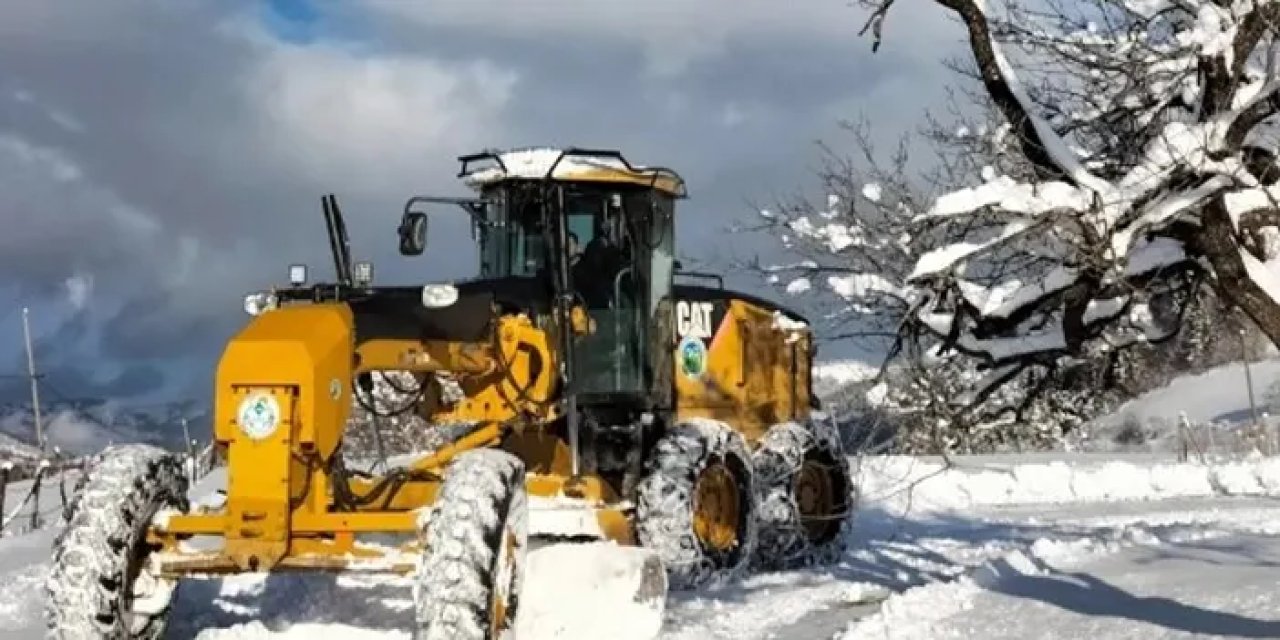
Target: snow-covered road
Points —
{"points": [[1047, 566], [1224, 586], [1168, 569]]}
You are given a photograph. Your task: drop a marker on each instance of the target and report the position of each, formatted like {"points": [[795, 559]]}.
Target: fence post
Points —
{"points": [[4, 488], [1185, 424], [35, 495], [62, 482], [1265, 425]]}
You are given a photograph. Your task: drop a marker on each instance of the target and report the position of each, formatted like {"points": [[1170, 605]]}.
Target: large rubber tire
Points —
{"points": [[474, 541], [667, 506], [99, 558], [806, 496]]}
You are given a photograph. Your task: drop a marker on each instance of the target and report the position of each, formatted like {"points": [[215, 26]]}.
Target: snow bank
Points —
{"points": [[901, 480]]}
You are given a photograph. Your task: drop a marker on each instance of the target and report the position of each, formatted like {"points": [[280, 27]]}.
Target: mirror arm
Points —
{"points": [[473, 206]]}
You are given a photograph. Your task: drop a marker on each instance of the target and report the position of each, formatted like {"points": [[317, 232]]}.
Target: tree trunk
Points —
{"points": [[1217, 241]]}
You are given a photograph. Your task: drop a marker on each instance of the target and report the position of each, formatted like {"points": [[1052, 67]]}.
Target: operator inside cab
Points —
{"points": [[601, 259]]}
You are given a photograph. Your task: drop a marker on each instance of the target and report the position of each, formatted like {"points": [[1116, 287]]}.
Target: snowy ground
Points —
{"points": [[1097, 547]]}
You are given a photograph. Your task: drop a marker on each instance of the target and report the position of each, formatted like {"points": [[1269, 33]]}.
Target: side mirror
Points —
{"points": [[413, 233], [679, 266]]}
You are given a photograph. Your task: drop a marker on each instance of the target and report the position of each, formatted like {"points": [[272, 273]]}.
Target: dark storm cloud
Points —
{"points": [[175, 152], [147, 84], [69, 368], [77, 383], [154, 335], [178, 155]]}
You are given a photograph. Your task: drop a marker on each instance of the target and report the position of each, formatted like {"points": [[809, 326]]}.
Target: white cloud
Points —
{"points": [[58, 116], [368, 119], [52, 205], [45, 160], [79, 290], [67, 430], [42, 183]]}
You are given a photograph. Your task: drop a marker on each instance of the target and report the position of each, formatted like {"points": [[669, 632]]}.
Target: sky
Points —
{"points": [[161, 158]]}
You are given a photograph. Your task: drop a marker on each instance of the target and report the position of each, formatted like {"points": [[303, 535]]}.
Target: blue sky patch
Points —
{"points": [[292, 20]]}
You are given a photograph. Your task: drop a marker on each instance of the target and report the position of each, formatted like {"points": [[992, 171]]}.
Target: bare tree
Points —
{"points": [[1144, 130], [852, 255]]}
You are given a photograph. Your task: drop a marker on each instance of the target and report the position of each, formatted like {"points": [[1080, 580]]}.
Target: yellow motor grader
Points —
{"points": [[587, 367]]}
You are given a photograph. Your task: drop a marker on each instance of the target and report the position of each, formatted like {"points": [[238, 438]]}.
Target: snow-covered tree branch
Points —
{"points": [[1148, 128], [852, 251], [1109, 203]]}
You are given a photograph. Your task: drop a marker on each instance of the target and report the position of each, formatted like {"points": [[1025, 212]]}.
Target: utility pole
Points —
{"points": [[1253, 406], [31, 372], [1248, 377], [191, 451]]}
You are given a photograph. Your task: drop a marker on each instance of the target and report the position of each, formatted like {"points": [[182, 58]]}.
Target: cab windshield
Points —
{"points": [[610, 250], [597, 229]]}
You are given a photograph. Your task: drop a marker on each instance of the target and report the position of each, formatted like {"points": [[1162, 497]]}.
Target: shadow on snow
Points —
{"points": [[896, 553]]}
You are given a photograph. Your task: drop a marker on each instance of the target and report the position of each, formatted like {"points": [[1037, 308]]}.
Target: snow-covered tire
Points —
{"points": [[805, 493], [474, 540], [99, 586], [667, 503]]}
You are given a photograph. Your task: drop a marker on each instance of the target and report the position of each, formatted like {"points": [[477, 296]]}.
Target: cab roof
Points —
{"points": [[571, 164]]}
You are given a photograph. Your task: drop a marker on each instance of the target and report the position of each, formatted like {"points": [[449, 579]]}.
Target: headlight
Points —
{"points": [[258, 416], [435, 296], [256, 303], [297, 274]]}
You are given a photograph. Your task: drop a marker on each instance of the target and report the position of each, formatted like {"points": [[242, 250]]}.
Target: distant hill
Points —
{"points": [[85, 426], [16, 451]]}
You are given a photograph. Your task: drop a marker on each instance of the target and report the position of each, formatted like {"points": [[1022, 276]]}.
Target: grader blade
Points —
{"points": [[592, 590], [585, 577]]}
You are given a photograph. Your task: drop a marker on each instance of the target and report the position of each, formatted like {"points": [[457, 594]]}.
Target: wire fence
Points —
{"points": [[35, 494], [1199, 441]]}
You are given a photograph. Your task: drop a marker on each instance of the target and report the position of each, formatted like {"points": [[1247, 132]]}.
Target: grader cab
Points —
{"points": [[670, 417]]}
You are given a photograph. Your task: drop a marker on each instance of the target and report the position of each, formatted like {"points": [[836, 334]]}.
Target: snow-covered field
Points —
{"points": [[1047, 545]]}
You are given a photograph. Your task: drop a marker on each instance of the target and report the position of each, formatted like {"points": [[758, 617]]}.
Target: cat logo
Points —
{"points": [[693, 319]]}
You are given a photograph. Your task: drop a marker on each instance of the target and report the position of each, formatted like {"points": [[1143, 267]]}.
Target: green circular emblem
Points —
{"points": [[693, 357]]}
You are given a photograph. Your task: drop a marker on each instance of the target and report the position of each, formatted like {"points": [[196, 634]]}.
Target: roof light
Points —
{"points": [[362, 274]]}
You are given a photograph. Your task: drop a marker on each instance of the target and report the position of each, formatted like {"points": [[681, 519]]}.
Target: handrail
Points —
{"points": [[617, 326], [655, 172], [704, 275]]}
